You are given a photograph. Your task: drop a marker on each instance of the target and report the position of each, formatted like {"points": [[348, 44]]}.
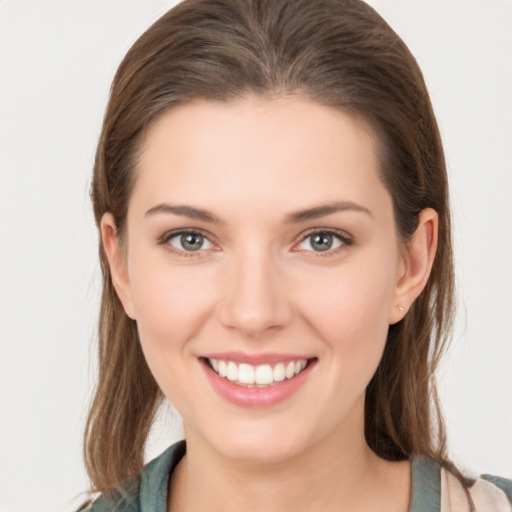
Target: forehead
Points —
{"points": [[279, 152]]}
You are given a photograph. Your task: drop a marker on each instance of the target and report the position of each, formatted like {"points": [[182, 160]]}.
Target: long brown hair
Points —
{"points": [[339, 53]]}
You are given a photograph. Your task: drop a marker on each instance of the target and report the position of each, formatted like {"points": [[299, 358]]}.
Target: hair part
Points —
{"points": [[338, 53]]}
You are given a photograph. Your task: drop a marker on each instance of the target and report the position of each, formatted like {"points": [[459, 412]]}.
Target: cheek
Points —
{"points": [[171, 308], [352, 301], [171, 304], [350, 312]]}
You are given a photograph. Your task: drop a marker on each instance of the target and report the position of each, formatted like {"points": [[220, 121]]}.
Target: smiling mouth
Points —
{"points": [[264, 375]]}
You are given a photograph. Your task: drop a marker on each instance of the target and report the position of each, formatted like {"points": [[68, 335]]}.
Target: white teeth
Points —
{"points": [[290, 370], [262, 375], [279, 372], [232, 371], [223, 368], [245, 374]]}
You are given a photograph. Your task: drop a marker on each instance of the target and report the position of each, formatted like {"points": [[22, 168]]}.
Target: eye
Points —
{"points": [[189, 241], [322, 241]]}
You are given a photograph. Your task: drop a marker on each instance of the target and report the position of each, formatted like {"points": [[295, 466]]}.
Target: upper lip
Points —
{"points": [[256, 359]]}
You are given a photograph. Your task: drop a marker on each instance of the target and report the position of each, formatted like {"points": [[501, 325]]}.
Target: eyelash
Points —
{"points": [[345, 239], [167, 237]]}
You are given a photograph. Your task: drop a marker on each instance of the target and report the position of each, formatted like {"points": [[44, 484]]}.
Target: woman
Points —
{"points": [[271, 195]]}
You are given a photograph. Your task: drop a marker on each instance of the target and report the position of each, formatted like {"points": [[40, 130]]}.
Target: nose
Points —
{"points": [[255, 300]]}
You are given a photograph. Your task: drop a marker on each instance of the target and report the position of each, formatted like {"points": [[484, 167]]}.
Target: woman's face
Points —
{"points": [[263, 270]]}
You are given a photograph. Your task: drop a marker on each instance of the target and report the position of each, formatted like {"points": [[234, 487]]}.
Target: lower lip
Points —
{"points": [[253, 396]]}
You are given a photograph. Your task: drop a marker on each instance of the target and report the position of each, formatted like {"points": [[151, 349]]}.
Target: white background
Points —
{"points": [[57, 59]]}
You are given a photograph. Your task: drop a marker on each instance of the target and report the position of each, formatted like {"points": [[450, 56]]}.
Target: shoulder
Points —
{"points": [[435, 488], [145, 492], [488, 493]]}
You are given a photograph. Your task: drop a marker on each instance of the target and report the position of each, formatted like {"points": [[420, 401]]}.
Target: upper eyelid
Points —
{"points": [[342, 234], [176, 232]]}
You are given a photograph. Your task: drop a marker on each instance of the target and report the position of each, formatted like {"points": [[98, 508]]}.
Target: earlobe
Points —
{"points": [[418, 258], [117, 263]]}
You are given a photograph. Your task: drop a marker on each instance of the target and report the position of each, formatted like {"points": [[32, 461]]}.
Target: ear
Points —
{"points": [[417, 259], [117, 263]]}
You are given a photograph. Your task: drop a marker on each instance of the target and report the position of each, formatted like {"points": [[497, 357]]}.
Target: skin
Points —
{"points": [[258, 287]]}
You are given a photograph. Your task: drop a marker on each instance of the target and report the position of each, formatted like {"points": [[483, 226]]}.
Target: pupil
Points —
{"points": [[321, 242], [191, 242]]}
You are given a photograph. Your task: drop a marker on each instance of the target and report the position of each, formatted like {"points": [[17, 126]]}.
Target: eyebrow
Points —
{"points": [[325, 209], [293, 218], [185, 211]]}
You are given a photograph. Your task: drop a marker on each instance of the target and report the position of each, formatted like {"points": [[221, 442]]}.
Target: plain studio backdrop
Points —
{"points": [[57, 59]]}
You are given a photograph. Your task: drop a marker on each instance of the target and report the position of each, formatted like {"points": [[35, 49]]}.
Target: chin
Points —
{"points": [[261, 451], [255, 444]]}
